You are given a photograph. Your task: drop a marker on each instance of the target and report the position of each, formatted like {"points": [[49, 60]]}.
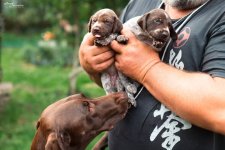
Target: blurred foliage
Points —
{"points": [[66, 19], [35, 14], [49, 53]]}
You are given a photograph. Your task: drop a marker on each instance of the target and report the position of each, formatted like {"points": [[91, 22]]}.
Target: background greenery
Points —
{"points": [[39, 74]]}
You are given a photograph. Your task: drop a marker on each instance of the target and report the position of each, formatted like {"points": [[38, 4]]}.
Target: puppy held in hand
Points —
{"points": [[105, 27], [153, 28], [71, 123]]}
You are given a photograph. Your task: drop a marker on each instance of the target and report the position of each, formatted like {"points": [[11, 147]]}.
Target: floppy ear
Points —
{"points": [[142, 22], [52, 142], [89, 24], [173, 33], [117, 26]]}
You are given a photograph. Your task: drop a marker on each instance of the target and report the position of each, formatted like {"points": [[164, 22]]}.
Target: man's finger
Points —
{"points": [[116, 46], [88, 39]]}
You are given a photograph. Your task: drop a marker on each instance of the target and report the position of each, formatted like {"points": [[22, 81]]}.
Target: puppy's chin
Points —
{"points": [[158, 45]]}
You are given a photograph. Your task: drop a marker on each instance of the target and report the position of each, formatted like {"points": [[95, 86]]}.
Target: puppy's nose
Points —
{"points": [[164, 33], [96, 29]]}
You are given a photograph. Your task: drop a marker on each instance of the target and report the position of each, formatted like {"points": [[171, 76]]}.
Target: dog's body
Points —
{"points": [[71, 123]]}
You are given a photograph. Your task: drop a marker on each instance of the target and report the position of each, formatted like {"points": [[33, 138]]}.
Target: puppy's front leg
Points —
{"points": [[122, 39], [130, 87]]}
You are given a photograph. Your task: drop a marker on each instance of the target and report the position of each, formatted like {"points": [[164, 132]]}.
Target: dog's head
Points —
{"points": [[158, 26], [103, 23], [71, 123]]}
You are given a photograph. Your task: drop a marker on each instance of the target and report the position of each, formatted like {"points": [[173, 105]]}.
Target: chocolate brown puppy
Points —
{"points": [[153, 28]]}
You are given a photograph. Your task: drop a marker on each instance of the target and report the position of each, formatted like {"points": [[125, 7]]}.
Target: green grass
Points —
{"points": [[34, 88]]}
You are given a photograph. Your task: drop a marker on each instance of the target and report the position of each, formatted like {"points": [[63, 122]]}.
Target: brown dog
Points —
{"points": [[71, 123], [105, 26], [153, 28]]}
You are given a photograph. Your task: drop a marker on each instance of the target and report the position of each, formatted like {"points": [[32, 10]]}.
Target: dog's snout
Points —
{"points": [[164, 33], [96, 29]]}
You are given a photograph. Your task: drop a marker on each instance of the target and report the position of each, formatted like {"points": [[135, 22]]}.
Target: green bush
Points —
{"points": [[49, 53]]}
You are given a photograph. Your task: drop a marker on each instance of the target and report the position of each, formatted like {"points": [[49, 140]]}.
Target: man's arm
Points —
{"points": [[196, 97]]}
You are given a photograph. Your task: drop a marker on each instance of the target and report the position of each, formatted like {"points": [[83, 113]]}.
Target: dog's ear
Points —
{"points": [[89, 24], [117, 26], [173, 33], [52, 142], [142, 22]]}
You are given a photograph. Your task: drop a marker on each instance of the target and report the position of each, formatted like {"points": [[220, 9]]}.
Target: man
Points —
{"points": [[182, 104]]}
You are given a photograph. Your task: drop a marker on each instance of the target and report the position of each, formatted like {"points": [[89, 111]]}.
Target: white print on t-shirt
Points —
{"points": [[173, 124], [175, 59]]}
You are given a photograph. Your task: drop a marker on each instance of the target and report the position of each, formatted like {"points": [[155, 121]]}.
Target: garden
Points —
{"points": [[38, 59]]}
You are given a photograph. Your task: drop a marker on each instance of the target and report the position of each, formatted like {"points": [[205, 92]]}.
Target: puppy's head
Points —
{"points": [[103, 23], [71, 123], [158, 26]]}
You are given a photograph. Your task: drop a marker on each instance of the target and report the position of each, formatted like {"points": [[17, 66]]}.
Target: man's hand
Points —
{"points": [[135, 58], [94, 59]]}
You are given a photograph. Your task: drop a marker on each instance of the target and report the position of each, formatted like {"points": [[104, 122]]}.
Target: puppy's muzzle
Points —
{"points": [[96, 31]]}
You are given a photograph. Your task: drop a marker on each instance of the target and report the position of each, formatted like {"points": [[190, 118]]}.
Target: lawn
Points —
{"points": [[34, 88]]}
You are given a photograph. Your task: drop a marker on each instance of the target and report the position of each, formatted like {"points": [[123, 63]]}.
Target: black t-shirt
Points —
{"points": [[200, 48]]}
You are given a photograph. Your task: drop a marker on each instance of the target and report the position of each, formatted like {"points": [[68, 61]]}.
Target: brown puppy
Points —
{"points": [[71, 123], [153, 28], [105, 26]]}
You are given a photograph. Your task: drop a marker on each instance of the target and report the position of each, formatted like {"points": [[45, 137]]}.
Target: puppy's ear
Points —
{"points": [[89, 24], [173, 33], [142, 22], [117, 26], [52, 142]]}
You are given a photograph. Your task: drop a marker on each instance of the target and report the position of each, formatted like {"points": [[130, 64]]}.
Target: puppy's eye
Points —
{"points": [[158, 21], [106, 21], [94, 20], [85, 103]]}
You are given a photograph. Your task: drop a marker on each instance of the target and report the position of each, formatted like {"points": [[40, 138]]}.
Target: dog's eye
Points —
{"points": [[106, 21], [94, 20], [158, 21], [85, 103]]}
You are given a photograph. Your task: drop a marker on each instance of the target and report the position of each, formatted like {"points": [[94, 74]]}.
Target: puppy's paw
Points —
{"points": [[131, 99], [122, 39]]}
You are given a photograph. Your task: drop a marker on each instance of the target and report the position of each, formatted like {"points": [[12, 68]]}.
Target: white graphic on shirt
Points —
{"points": [[175, 59], [173, 124]]}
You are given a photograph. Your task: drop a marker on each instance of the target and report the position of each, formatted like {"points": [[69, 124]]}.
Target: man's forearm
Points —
{"points": [[196, 97]]}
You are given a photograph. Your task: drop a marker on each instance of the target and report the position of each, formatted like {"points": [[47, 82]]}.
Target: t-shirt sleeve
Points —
{"points": [[214, 57]]}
